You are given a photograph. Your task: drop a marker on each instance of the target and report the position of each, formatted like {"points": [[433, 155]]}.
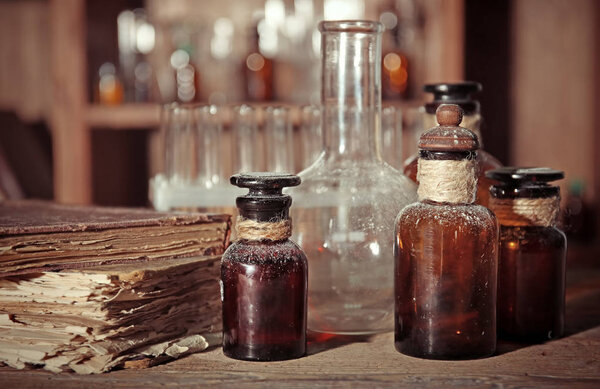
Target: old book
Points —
{"points": [[93, 319], [88, 289], [38, 236]]}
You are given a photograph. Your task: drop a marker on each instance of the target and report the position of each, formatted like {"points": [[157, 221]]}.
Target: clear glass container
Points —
{"points": [[310, 134], [246, 144], [346, 206], [459, 94], [279, 140], [391, 136], [446, 253], [532, 254], [193, 177]]}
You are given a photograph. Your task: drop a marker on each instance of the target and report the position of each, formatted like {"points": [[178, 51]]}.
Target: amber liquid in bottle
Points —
{"points": [[532, 254], [264, 295], [531, 283], [446, 256]]}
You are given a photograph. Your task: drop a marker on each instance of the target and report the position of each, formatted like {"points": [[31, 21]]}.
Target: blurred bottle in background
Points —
{"points": [[136, 39], [258, 71], [187, 77], [400, 19], [109, 89]]}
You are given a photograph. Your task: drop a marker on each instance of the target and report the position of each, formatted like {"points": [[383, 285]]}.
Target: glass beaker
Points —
{"points": [[345, 209]]}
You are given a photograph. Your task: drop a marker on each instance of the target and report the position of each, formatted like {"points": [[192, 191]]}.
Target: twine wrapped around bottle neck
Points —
{"points": [[521, 212], [249, 229], [447, 181]]}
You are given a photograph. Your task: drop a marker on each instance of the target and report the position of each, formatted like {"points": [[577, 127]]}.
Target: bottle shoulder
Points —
{"points": [[428, 212], [345, 182], [264, 252]]}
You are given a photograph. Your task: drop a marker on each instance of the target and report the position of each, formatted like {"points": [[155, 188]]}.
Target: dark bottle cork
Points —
{"points": [[265, 201], [453, 93]]}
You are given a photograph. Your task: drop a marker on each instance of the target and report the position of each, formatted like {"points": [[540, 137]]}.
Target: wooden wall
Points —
{"points": [[554, 84]]}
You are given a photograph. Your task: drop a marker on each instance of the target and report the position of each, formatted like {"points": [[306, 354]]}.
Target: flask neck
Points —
{"points": [[351, 89], [350, 133]]}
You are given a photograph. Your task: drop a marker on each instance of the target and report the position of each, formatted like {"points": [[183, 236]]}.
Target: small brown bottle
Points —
{"points": [[532, 254], [264, 275], [446, 252], [459, 94]]}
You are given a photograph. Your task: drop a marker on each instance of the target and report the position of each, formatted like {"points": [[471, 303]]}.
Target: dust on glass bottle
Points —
{"points": [[349, 197], [459, 94], [264, 275], [446, 252], [532, 253]]}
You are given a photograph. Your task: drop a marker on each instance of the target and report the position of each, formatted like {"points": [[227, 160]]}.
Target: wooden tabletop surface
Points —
{"points": [[573, 361]]}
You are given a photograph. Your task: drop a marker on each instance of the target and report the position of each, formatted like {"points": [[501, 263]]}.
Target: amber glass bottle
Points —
{"points": [[264, 275], [446, 252], [532, 254], [459, 94]]}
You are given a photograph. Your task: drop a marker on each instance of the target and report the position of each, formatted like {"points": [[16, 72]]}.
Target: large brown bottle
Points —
{"points": [[459, 94], [446, 252], [532, 254]]}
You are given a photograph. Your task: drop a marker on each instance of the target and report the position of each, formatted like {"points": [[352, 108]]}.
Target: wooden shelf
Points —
{"points": [[126, 116]]}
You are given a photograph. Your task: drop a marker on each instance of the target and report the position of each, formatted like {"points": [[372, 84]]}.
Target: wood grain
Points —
{"points": [[70, 136], [372, 361]]}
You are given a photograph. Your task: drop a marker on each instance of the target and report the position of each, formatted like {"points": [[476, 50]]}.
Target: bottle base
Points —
{"points": [[268, 353], [444, 356]]}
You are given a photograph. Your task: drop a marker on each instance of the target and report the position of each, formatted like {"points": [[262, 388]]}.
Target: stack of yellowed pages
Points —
{"points": [[90, 312]]}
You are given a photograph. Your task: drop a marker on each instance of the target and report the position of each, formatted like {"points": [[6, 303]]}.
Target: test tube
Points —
{"points": [[279, 142]]}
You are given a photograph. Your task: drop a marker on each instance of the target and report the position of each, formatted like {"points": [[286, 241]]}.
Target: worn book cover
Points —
{"points": [[40, 236]]}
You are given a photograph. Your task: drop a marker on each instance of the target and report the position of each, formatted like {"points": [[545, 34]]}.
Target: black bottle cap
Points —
{"points": [[524, 182], [453, 93], [265, 201]]}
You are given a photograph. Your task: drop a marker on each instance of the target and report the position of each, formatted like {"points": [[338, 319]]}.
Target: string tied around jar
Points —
{"points": [[249, 229], [522, 212]]}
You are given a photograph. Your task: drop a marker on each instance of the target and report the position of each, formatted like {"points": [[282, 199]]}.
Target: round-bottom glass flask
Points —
{"points": [[345, 209]]}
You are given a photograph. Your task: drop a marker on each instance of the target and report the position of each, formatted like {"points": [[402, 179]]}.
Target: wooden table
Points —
{"points": [[573, 361]]}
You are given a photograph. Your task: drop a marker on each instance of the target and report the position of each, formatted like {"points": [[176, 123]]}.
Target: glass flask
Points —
{"points": [[264, 275], [349, 198], [446, 252], [459, 94], [532, 254]]}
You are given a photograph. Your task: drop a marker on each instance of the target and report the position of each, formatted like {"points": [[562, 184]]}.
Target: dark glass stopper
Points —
{"points": [[265, 201], [524, 182], [453, 93]]}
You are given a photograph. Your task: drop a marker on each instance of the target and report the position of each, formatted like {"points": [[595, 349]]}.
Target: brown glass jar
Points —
{"points": [[459, 94], [532, 254], [446, 252], [264, 275]]}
